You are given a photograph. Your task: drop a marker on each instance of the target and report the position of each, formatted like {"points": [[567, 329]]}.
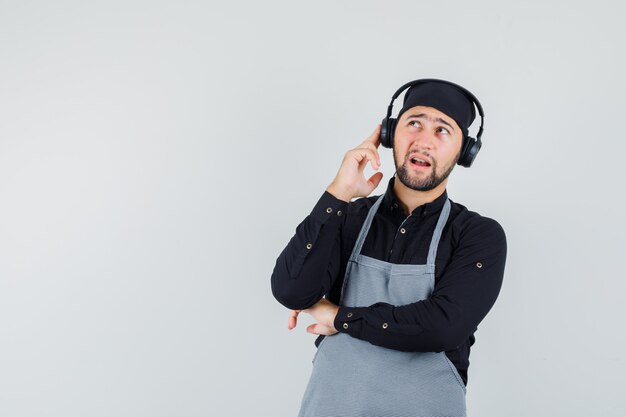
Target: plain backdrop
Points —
{"points": [[156, 157]]}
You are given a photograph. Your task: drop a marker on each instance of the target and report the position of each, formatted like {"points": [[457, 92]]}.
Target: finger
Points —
{"points": [[371, 147], [373, 141], [293, 319], [375, 135], [375, 179], [314, 329], [364, 155], [320, 329]]}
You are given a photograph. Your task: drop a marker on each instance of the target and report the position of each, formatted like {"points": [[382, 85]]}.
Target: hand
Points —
{"points": [[323, 312], [350, 181]]}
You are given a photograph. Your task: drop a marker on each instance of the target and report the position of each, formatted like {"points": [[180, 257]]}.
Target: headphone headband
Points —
{"points": [[470, 146]]}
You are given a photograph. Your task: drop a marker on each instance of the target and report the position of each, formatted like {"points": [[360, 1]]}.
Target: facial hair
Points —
{"points": [[422, 184]]}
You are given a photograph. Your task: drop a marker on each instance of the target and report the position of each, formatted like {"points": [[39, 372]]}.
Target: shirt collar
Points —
{"points": [[392, 204]]}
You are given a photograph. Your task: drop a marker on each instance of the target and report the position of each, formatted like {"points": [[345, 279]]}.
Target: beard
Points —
{"points": [[422, 183]]}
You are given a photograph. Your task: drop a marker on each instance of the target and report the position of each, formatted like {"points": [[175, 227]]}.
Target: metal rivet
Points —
{"points": [[309, 246], [385, 325], [479, 265], [402, 230], [328, 210], [349, 314], [338, 212], [345, 325]]}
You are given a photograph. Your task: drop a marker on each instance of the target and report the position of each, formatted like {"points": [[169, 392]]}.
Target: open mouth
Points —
{"points": [[419, 161]]}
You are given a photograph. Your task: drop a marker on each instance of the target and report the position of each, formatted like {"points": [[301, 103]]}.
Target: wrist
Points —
{"points": [[333, 316], [339, 192]]}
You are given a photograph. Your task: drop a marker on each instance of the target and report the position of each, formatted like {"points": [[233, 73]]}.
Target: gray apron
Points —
{"points": [[353, 378]]}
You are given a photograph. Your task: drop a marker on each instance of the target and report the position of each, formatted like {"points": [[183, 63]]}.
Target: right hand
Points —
{"points": [[350, 181]]}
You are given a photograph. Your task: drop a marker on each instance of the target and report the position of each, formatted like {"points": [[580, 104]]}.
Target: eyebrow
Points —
{"points": [[425, 116]]}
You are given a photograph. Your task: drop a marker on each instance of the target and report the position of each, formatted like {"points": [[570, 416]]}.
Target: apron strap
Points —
{"points": [[365, 228], [434, 243]]}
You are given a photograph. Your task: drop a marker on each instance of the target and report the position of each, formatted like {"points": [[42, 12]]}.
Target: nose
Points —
{"points": [[425, 140]]}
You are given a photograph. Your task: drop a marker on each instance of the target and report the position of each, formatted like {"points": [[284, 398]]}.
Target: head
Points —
{"points": [[426, 147], [429, 134]]}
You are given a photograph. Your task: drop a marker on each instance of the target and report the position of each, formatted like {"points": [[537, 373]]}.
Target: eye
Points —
{"points": [[414, 123], [443, 130]]}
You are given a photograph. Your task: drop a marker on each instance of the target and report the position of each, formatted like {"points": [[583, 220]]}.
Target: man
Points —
{"points": [[397, 283]]}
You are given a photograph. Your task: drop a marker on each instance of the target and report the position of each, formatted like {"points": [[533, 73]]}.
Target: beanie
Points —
{"points": [[443, 97]]}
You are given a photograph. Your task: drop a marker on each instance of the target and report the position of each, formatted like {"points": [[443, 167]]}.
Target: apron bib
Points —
{"points": [[353, 378]]}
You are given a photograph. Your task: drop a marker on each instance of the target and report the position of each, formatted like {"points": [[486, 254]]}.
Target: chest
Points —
{"points": [[400, 240]]}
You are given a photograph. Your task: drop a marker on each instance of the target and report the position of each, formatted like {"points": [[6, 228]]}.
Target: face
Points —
{"points": [[426, 146]]}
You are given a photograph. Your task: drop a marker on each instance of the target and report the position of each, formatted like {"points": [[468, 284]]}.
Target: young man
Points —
{"points": [[397, 283]]}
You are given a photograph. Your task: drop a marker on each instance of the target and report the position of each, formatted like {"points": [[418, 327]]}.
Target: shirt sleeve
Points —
{"points": [[310, 263], [462, 297]]}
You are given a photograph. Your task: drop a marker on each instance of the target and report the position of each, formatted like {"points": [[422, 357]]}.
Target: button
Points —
{"points": [[402, 230], [478, 264], [338, 212], [395, 205], [309, 246], [385, 325], [345, 325], [349, 314], [328, 210]]}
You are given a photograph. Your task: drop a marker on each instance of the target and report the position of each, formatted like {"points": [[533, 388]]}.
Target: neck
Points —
{"points": [[411, 199]]}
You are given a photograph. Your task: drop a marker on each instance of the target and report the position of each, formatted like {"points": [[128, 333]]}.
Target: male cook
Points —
{"points": [[396, 283]]}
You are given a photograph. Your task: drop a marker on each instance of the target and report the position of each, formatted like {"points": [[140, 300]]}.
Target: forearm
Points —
{"points": [[310, 263], [382, 325], [462, 297]]}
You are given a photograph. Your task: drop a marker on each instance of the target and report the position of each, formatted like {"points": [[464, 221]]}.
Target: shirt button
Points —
{"points": [[309, 246], [478, 264], [345, 325], [328, 210], [349, 314], [385, 325], [402, 230], [338, 212]]}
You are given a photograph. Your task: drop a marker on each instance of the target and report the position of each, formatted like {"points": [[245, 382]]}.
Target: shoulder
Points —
{"points": [[468, 225], [356, 213]]}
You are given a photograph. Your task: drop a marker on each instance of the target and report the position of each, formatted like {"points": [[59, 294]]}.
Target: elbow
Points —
{"points": [[291, 295], [440, 340], [447, 339]]}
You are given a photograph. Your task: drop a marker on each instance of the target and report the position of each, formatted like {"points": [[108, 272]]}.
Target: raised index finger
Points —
{"points": [[372, 142], [374, 138]]}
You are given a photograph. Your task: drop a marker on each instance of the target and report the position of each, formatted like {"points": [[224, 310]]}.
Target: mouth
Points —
{"points": [[419, 161]]}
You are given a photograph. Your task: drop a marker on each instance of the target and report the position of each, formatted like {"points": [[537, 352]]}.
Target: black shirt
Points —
{"points": [[469, 268]]}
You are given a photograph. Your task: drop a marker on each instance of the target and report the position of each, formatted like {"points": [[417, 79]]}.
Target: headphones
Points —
{"points": [[470, 146]]}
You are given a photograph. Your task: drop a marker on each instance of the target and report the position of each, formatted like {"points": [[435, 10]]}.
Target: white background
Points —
{"points": [[156, 157]]}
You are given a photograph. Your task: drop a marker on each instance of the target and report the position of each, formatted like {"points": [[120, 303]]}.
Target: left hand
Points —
{"points": [[323, 312]]}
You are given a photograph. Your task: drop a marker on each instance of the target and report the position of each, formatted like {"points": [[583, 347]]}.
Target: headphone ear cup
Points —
{"points": [[470, 149], [383, 132], [388, 127], [386, 132]]}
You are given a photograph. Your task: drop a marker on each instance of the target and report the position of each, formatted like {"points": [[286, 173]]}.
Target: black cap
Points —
{"points": [[443, 97]]}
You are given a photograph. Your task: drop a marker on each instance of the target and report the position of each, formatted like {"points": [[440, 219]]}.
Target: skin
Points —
{"points": [[421, 130]]}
